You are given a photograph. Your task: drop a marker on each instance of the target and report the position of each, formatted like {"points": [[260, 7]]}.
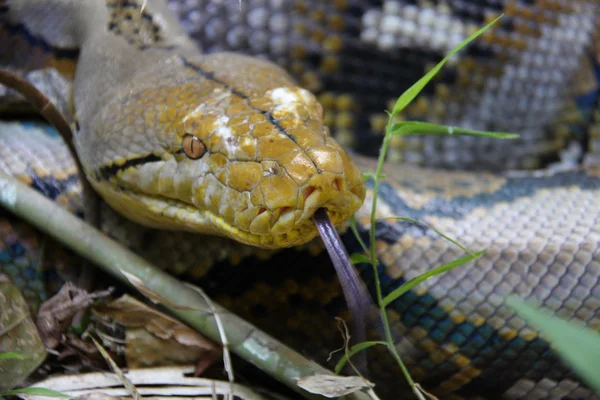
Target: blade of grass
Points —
{"points": [[357, 258], [371, 175], [34, 391], [448, 238], [355, 349], [425, 128], [575, 343], [11, 356], [396, 293], [416, 88]]}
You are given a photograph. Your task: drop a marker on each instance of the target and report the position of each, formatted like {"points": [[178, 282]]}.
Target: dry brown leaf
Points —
{"points": [[19, 335], [84, 351], [56, 314], [154, 338]]}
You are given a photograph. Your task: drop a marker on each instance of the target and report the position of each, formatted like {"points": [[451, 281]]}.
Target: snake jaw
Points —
{"points": [[271, 213], [284, 222], [268, 228]]}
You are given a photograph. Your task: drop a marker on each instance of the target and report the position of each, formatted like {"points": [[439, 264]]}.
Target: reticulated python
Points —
{"points": [[227, 144]]}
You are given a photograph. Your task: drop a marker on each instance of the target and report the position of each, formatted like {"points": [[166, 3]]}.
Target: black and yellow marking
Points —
{"points": [[108, 171]]}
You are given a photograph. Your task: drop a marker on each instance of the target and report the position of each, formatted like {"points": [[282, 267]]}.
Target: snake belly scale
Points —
{"points": [[141, 87]]}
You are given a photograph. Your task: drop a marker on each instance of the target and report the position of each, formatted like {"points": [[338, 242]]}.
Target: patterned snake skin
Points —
{"points": [[540, 228]]}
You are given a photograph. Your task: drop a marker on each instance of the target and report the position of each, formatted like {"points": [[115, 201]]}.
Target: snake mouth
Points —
{"points": [[293, 237], [292, 227], [287, 226]]}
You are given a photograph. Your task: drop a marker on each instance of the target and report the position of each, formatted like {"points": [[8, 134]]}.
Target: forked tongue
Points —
{"points": [[357, 298]]}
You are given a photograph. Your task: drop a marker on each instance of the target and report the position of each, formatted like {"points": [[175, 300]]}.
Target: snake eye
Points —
{"points": [[193, 147]]}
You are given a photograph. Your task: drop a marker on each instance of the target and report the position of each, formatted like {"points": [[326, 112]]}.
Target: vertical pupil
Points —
{"points": [[193, 147]]}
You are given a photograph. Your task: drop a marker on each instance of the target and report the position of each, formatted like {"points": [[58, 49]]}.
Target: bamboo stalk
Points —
{"points": [[247, 341]]}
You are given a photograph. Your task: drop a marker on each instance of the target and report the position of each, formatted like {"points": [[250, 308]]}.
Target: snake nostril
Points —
{"points": [[308, 191], [337, 184]]}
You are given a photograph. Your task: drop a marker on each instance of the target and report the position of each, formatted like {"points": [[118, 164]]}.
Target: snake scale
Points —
{"points": [[227, 144]]}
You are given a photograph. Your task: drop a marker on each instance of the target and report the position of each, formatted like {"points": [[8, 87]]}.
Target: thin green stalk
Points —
{"points": [[390, 345], [353, 350], [374, 261], [423, 224], [354, 230]]}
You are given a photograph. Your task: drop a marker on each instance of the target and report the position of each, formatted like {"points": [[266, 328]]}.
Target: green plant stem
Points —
{"points": [[357, 235], [390, 344], [401, 129], [375, 262]]}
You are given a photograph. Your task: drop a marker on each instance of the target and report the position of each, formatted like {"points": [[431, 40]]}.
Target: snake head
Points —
{"points": [[246, 155]]}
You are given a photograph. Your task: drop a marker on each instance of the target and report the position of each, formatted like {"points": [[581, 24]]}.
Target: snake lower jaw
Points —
{"points": [[163, 213], [292, 237]]}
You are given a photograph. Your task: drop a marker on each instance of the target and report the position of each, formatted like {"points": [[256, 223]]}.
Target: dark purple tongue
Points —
{"points": [[357, 297]]}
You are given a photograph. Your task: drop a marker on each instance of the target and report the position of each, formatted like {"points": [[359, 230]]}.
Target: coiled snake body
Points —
{"points": [[227, 144]]}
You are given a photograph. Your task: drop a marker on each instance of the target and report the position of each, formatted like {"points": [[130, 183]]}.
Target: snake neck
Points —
{"points": [[69, 24], [116, 39]]}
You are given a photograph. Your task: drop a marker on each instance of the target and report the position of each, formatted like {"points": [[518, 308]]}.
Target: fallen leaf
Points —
{"points": [[154, 338], [158, 383], [18, 336], [333, 386], [55, 314]]}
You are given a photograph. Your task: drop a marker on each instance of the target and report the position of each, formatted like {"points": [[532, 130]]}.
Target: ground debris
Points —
{"points": [[57, 313], [157, 383], [18, 335], [154, 338], [332, 386]]}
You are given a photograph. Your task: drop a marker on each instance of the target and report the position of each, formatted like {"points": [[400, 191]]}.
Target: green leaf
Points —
{"points": [[372, 175], [368, 175], [577, 345], [412, 92], [429, 274], [353, 350], [425, 128], [357, 258], [11, 356], [448, 238], [36, 392]]}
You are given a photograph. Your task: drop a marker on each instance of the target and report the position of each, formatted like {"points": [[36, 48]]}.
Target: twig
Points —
{"points": [[224, 341], [129, 387]]}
